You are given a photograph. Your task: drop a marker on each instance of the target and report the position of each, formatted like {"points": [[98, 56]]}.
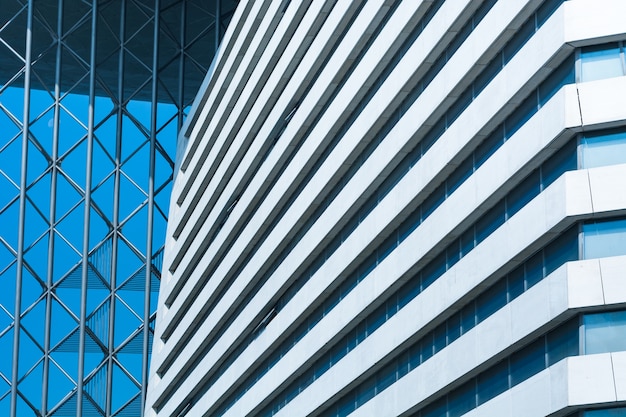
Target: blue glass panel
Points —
{"points": [[609, 412], [605, 332], [599, 62], [606, 148], [601, 239]]}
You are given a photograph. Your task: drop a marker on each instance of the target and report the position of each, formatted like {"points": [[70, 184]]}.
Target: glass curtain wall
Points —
{"points": [[92, 95]]}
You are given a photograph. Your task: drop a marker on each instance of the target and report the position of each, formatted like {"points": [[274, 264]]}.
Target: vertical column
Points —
{"points": [[88, 176], [22, 212], [218, 24], [153, 131], [116, 208], [52, 213]]}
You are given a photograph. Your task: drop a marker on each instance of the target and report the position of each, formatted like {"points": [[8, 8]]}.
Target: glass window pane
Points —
{"points": [[608, 148], [534, 269], [605, 332], [528, 361], [563, 249], [563, 342], [601, 239], [609, 412], [599, 62], [462, 400], [492, 382], [491, 301], [523, 193]]}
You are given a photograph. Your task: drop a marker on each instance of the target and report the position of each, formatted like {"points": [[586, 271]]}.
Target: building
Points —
{"points": [[92, 95], [401, 208]]}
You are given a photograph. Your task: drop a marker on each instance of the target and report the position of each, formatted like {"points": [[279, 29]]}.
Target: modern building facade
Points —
{"points": [[92, 96], [401, 208]]}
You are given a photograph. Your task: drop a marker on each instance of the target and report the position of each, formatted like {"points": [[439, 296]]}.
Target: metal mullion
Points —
{"points": [[85, 252], [218, 23], [22, 213], [116, 210], [147, 288], [181, 64]]}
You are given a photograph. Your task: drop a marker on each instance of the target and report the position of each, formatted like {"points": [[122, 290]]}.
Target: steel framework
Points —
{"points": [[92, 95]]}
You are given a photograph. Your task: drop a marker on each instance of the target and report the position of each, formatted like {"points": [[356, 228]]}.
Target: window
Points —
{"points": [[601, 61], [605, 332], [606, 238], [604, 148]]}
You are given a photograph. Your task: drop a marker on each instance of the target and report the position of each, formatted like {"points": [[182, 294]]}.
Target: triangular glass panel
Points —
{"points": [[135, 229], [103, 165], [65, 258], [68, 361], [6, 347], [102, 109], [163, 169], [41, 101], [132, 138], [64, 323], [138, 167], [162, 198], [38, 163], [101, 260], [59, 385], [67, 196], [96, 387], [131, 198], [74, 164], [75, 77], [137, 75], [141, 111], [170, 24], [9, 194], [5, 404], [90, 408], [126, 322], [10, 215], [130, 357], [36, 258], [128, 262], [6, 319], [65, 409], [23, 406], [98, 228], [11, 64], [77, 105], [17, 23], [7, 283], [68, 292], [199, 19], [131, 409], [32, 289], [35, 224], [30, 353], [106, 133], [70, 133], [31, 386], [34, 321], [167, 114], [10, 157], [39, 195], [98, 322], [8, 125], [46, 15], [104, 197], [79, 45], [125, 388], [71, 227], [169, 87]]}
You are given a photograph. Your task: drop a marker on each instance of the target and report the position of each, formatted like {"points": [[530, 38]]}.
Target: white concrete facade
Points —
{"points": [[357, 174]]}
